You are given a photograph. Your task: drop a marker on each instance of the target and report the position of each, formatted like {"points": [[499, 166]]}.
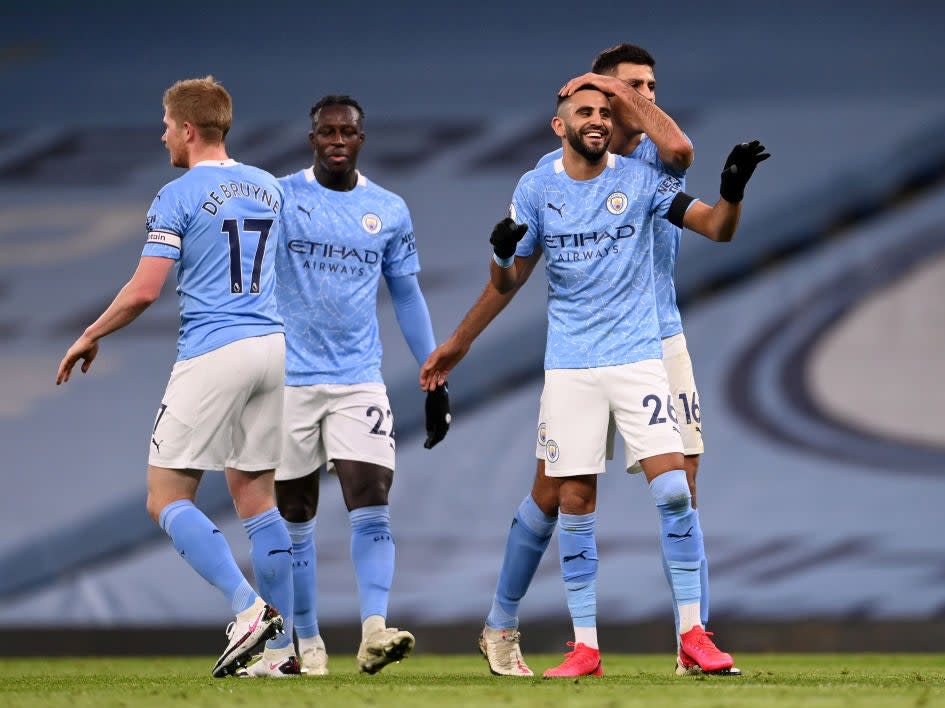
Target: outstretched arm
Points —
{"points": [[133, 299], [635, 114]]}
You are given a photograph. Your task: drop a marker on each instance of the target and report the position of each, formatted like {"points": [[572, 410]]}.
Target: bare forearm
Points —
{"points": [[636, 114], [504, 280], [490, 303], [124, 309], [717, 223]]}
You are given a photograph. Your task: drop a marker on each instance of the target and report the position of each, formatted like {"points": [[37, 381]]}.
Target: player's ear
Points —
{"points": [[311, 138], [557, 125]]}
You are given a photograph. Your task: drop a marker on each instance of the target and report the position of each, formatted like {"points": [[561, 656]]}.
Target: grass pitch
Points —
{"points": [[769, 680]]}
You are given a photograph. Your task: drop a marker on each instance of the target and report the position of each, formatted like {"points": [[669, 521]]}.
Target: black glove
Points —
{"points": [[438, 415], [741, 163], [505, 236]]}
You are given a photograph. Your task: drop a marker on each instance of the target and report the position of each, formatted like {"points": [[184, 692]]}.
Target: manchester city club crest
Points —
{"points": [[617, 203], [552, 451], [542, 433], [371, 223]]}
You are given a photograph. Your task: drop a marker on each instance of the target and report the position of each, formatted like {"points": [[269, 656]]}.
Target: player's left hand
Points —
{"points": [[83, 348], [438, 415], [739, 166]]}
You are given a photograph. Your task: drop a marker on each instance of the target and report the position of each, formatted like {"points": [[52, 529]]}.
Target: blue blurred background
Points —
{"points": [[817, 335]]}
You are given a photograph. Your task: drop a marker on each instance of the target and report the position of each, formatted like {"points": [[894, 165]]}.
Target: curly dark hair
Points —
{"points": [[333, 100]]}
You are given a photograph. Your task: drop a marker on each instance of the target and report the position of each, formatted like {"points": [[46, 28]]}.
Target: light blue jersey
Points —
{"points": [[597, 239], [336, 246], [666, 239], [221, 221]]}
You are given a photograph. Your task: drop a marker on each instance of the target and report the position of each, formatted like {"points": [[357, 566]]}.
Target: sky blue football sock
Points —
{"points": [[372, 551], [703, 582], [669, 582], [680, 536], [304, 575], [202, 545], [528, 538], [270, 551], [578, 552], [703, 585]]}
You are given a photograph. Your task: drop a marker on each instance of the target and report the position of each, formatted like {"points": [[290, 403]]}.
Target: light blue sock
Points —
{"points": [[528, 538], [202, 545], [578, 549], [669, 581], [680, 536], [304, 577], [270, 550], [703, 582], [372, 551]]}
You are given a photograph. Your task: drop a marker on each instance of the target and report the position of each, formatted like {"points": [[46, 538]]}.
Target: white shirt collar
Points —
{"points": [[309, 173], [229, 162]]}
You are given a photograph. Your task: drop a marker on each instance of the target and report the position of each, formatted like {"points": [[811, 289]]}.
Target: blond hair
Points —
{"points": [[203, 103]]}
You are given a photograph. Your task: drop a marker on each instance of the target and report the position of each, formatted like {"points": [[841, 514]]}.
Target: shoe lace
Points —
{"points": [[703, 640], [508, 652]]}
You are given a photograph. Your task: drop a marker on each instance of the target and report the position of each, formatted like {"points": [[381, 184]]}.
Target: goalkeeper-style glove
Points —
{"points": [[505, 236], [741, 163], [438, 415]]}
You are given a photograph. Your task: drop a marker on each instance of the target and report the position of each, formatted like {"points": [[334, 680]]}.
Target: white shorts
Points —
{"points": [[325, 422], [223, 409], [576, 408], [685, 396], [682, 385]]}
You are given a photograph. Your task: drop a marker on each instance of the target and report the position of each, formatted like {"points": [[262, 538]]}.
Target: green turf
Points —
{"points": [[809, 680]]}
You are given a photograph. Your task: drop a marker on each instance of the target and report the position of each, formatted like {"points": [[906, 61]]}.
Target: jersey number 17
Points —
{"points": [[232, 230]]}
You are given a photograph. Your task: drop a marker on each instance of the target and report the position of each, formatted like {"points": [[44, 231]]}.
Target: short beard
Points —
{"points": [[574, 139]]}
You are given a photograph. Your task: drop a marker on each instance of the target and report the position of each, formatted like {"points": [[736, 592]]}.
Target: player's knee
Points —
{"points": [[367, 492], [154, 507], [576, 501], [295, 510], [545, 494], [670, 491], [157, 503], [297, 500]]}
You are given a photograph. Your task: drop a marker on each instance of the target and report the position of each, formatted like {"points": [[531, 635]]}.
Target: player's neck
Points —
{"points": [[578, 167], [203, 152], [627, 145], [337, 181]]}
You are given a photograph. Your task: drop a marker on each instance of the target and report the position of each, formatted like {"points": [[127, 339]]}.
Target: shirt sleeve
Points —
{"points": [[413, 316], [400, 254], [523, 211], [666, 188], [165, 224]]}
